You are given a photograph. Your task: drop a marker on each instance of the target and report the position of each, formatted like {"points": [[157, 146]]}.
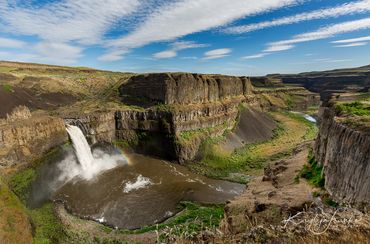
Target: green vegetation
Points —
{"points": [[312, 172], [326, 198], [292, 130], [13, 217], [187, 136], [191, 219], [48, 228], [7, 88], [312, 110], [20, 183], [330, 202], [355, 108], [163, 107], [312, 129]]}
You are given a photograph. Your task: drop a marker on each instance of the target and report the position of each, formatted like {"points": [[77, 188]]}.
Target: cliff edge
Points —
{"points": [[343, 148]]}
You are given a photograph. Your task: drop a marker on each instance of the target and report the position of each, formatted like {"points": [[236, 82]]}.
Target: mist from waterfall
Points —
{"points": [[88, 163], [76, 164]]}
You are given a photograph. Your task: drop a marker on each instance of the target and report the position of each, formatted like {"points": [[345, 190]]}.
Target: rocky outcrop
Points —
{"points": [[329, 82], [318, 83], [98, 126], [25, 140], [345, 154], [186, 88], [199, 105]]}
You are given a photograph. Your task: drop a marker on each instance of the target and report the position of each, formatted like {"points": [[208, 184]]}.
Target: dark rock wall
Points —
{"points": [[345, 155], [331, 83], [186, 88]]}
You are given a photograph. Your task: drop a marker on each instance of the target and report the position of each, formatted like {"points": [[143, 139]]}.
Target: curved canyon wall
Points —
{"points": [[25, 140], [198, 105], [345, 154]]}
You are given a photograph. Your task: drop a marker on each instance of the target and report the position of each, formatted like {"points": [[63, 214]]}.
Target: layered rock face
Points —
{"points": [[185, 88], [25, 140], [97, 126], [345, 154], [199, 105], [204, 104]]}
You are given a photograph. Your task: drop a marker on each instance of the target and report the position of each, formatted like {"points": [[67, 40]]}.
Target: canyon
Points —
{"points": [[203, 122]]}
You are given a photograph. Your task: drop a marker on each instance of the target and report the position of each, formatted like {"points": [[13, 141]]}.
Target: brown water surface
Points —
{"points": [[143, 192]]}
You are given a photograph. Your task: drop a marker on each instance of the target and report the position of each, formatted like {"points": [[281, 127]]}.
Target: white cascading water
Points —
{"points": [[81, 146], [88, 163]]}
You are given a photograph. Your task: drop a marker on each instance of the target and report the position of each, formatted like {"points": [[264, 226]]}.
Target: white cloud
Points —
{"points": [[185, 17], [13, 56], [354, 44], [58, 51], [217, 53], [322, 33], [112, 56], [259, 55], [344, 9], [61, 24], [84, 21], [326, 32], [358, 39], [177, 46], [165, 54], [11, 43], [278, 48], [338, 60], [181, 45]]}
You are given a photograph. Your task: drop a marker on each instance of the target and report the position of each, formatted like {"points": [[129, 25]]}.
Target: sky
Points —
{"points": [[235, 37]]}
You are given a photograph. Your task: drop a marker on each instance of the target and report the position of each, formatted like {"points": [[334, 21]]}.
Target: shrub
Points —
{"points": [[7, 88], [20, 183], [354, 108], [312, 172]]}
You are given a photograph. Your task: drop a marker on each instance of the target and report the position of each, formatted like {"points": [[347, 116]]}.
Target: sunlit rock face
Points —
{"points": [[345, 154], [24, 140], [186, 88]]}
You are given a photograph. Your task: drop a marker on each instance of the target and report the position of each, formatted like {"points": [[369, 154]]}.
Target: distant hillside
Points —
{"points": [[338, 80], [39, 86]]}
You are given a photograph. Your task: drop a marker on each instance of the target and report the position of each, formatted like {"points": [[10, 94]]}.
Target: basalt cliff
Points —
{"points": [[344, 150], [178, 111]]}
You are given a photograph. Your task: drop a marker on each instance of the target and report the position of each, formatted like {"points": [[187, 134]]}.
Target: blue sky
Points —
{"points": [[238, 37]]}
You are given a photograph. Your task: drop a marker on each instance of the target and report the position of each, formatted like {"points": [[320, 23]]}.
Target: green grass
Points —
{"points": [[7, 88], [312, 128], [21, 181], [253, 157], [355, 108], [192, 218], [48, 228], [312, 172], [187, 136], [216, 164]]}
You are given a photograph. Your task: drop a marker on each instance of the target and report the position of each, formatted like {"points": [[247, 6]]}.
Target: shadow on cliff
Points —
{"points": [[253, 126]]}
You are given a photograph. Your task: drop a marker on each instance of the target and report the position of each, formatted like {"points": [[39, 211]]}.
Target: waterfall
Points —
{"points": [[81, 146], [88, 163]]}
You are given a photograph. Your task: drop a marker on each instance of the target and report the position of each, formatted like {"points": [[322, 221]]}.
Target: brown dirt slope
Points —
{"points": [[9, 99], [47, 87]]}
